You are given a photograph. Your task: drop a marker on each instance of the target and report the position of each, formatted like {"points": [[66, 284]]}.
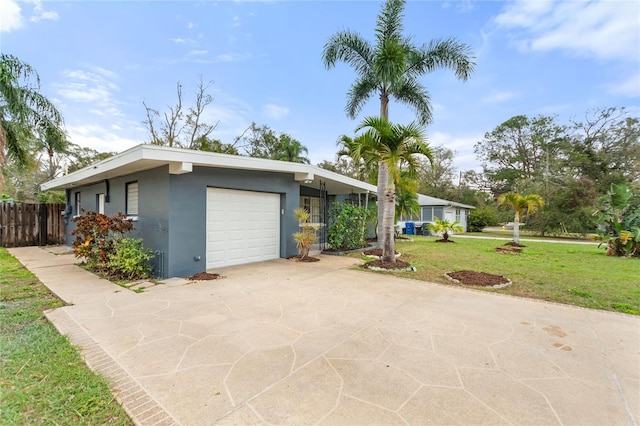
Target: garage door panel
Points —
{"points": [[242, 227]]}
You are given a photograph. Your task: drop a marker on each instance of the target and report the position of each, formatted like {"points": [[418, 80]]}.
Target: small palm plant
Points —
{"points": [[443, 226], [307, 235], [522, 205]]}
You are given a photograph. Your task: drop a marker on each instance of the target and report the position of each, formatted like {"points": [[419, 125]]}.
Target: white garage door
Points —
{"points": [[242, 227]]}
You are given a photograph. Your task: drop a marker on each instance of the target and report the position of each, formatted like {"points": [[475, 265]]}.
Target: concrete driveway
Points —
{"points": [[282, 342]]}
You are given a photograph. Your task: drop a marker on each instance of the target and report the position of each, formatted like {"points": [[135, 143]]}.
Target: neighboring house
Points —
{"points": [[200, 210], [431, 207]]}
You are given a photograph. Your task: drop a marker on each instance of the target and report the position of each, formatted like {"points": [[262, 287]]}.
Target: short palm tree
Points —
{"points": [[23, 110], [391, 68], [394, 146], [289, 149], [521, 205], [443, 226]]}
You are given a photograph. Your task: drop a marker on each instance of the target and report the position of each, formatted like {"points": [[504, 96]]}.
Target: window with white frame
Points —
{"points": [[312, 205], [100, 203], [131, 202], [78, 204], [458, 215]]}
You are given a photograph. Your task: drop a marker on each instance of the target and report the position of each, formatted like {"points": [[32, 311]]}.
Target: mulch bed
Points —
{"points": [[375, 252], [390, 266], [204, 276], [481, 279], [305, 259], [444, 241]]}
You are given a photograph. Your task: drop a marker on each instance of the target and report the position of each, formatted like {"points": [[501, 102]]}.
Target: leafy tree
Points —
{"points": [[394, 146], [55, 143], [204, 143], [519, 151], [605, 147], [407, 205], [521, 205], [263, 142], [391, 68], [79, 157], [443, 226], [436, 177], [482, 217], [24, 112], [349, 148]]}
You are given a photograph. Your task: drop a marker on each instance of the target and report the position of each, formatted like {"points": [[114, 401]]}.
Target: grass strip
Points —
{"points": [[43, 379]]}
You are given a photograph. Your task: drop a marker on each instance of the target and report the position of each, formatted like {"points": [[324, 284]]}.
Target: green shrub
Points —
{"points": [[130, 259], [347, 226], [95, 235], [481, 218]]}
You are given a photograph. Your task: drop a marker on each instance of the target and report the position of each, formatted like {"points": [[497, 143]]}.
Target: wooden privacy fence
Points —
{"points": [[23, 224]]}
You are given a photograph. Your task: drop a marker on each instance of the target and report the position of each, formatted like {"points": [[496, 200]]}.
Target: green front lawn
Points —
{"points": [[576, 274], [43, 379]]}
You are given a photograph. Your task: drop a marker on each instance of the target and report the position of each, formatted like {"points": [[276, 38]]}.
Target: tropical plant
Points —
{"points": [[347, 226], [24, 112], [95, 236], [130, 260], [482, 217], [407, 205], [307, 236], [521, 205], [443, 226], [619, 221], [394, 146], [391, 68]]}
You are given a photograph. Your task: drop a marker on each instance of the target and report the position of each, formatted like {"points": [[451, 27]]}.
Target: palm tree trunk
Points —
{"points": [[389, 250], [3, 158], [383, 176], [516, 228]]}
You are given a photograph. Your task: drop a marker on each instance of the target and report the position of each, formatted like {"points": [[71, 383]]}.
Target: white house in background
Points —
{"points": [[430, 208]]}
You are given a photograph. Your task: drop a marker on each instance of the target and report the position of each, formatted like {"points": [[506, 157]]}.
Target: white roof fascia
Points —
{"points": [[426, 200], [165, 155]]}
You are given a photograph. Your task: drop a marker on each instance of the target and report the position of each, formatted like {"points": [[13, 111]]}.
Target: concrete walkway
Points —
{"points": [[282, 342]]}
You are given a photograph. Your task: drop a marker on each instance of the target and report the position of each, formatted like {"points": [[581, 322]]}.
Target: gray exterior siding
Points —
{"points": [[172, 210]]}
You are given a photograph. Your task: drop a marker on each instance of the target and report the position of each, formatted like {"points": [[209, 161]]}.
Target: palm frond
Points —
{"points": [[389, 24], [443, 53], [348, 47], [361, 90], [414, 95]]}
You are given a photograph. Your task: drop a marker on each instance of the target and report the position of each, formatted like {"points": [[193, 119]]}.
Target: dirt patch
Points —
{"points": [[514, 244], [510, 250], [444, 241], [204, 276], [304, 259], [481, 279]]}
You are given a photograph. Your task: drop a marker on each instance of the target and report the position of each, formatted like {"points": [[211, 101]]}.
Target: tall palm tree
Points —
{"points": [[521, 205], [23, 110], [391, 68], [350, 147], [394, 146]]}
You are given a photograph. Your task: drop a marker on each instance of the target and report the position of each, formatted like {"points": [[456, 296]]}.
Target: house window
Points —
{"points": [[438, 212], [312, 205], [78, 204], [131, 203], [100, 203], [458, 215], [427, 214]]}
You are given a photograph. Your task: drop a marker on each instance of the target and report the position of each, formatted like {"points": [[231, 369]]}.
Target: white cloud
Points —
{"points": [[629, 87], [232, 57], [598, 29], [10, 16], [275, 111], [191, 25], [100, 138], [39, 13], [498, 97], [178, 40], [236, 21], [198, 52], [94, 85], [465, 158]]}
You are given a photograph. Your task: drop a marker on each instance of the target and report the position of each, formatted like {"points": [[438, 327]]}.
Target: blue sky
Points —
{"points": [[99, 60]]}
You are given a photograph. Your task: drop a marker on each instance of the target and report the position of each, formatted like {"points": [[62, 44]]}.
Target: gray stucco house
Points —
{"points": [[431, 207], [200, 210]]}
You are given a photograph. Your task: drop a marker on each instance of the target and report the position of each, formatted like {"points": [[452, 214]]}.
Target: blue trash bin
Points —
{"points": [[411, 226]]}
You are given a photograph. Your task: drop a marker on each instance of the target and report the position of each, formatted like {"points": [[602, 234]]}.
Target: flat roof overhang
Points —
{"points": [[180, 161]]}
